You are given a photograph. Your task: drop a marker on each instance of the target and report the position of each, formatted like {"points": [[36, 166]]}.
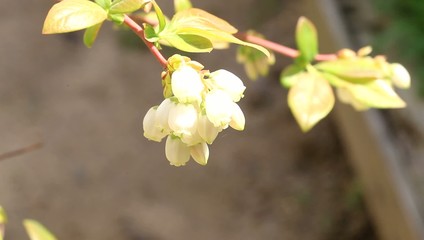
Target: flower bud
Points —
{"points": [[183, 119], [187, 85], [152, 132], [176, 151], [219, 108], [228, 82], [400, 76], [200, 153], [237, 119]]}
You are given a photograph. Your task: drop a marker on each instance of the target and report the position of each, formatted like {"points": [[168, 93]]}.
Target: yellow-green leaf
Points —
{"points": [[289, 76], [197, 18], [73, 15], [310, 99], [37, 231], [126, 6], [3, 221], [181, 5], [375, 94], [90, 34], [306, 39], [188, 43], [160, 15], [355, 70]]}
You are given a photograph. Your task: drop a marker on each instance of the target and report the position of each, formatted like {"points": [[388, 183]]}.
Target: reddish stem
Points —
{"points": [[137, 29], [289, 52]]}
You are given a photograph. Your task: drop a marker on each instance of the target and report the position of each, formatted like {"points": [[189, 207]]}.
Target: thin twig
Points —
{"points": [[21, 151]]}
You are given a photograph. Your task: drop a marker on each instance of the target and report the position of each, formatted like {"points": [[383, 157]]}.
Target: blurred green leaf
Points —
{"points": [[181, 5], [117, 18], [289, 76], [37, 231], [355, 70], [189, 43], [126, 6], [105, 4], [306, 39], [3, 221], [90, 34], [310, 99], [73, 15], [160, 15]]}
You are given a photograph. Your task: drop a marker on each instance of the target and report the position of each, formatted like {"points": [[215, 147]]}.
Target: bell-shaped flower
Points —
{"points": [[206, 129], [183, 119], [200, 153], [237, 119], [228, 82], [151, 131], [187, 84], [162, 115], [176, 151], [219, 108], [191, 139], [400, 76]]}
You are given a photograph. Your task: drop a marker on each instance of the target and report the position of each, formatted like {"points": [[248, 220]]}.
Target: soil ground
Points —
{"points": [[97, 177]]}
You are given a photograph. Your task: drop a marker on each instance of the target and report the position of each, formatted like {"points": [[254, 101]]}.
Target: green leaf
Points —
{"points": [[160, 15], [181, 5], [189, 43], [36, 231], [126, 6], [90, 34], [117, 18], [356, 70], [3, 221], [306, 39], [73, 15], [376, 94], [105, 4], [289, 76], [310, 99]]}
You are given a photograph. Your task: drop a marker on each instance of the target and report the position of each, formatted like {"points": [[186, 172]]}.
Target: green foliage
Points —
{"points": [[181, 5], [126, 6], [306, 39], [73, 15], [90, 34], [37, 231], [310, 99]]}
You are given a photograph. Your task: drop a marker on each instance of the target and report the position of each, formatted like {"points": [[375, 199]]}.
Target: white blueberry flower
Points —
{"points": [[228, 82], [162, 115], [177, 152], [186, 84], [152, 132], [206, 129], [237, 118], [183, 119], [200, 153], [400, 76], [219, 108]]}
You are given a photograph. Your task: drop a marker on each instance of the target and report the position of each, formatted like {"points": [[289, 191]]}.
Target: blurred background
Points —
{"points": [[97, 177]]}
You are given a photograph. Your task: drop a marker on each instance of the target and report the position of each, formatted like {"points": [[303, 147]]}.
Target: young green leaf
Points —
{"points": [[189, 43], [289, 76], [181, 5], [306, 39], [126, 6], [90, 34], [37, 231], [160, 15], [117, 18], [356, 70], [3, 221], [73, 15], [375, 94], [310, 99], [105, 4]]}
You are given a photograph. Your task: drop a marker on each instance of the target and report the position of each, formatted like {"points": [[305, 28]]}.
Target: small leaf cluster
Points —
{"points": [[360, 80]]}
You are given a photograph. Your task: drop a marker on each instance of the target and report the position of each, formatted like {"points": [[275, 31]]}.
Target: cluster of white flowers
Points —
{"points": [[197, 106]]}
